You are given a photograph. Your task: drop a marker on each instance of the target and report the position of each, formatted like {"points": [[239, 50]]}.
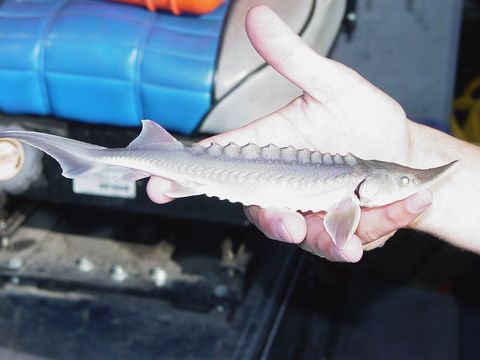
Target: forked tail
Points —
{"points": [[79, 158], [74, 156]]}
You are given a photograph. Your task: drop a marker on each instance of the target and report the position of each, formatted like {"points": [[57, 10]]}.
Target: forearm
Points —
{"points": [[455, 213]]}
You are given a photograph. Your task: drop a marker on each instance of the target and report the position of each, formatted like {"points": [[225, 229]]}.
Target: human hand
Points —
{"points": [[338, 112]]}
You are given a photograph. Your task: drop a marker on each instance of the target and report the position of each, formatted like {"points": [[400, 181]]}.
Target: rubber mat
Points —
{"points": [[107, 63]]}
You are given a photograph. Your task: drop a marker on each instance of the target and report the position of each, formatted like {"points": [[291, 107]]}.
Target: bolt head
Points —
{"points": [[118, 273], [351, 16], [5, 242], [158, 276], [14, 263], [84, 264], [220, 291]]}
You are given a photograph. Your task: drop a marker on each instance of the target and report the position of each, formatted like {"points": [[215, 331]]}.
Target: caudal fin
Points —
{"points": [[78, 158], [73, 156]]}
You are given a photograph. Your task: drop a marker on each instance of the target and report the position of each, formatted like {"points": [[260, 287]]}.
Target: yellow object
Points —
{"points": [[469, 129]]}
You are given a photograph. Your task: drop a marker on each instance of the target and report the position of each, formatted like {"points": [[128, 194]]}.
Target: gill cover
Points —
{"points": [[371, 187]]}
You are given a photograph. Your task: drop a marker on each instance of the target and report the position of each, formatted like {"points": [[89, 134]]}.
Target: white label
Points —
{"points": [[105, 183]]}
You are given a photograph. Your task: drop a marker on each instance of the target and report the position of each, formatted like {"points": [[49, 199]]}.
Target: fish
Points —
{"points": [[266, 176]]}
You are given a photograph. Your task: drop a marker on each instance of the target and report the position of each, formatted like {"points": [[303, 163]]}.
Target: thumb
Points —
{"points": [[287, 53]]}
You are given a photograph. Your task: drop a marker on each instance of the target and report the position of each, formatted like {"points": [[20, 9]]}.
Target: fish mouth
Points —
{"points": [[430, 176]]}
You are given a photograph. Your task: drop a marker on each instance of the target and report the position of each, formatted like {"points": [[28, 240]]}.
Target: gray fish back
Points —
{"points": [[274, 153]]}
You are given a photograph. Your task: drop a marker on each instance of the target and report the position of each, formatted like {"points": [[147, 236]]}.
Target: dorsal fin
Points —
{"points": [[153, 135]]}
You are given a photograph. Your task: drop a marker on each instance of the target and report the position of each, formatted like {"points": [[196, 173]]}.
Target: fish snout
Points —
{"points": [[426, 177]]}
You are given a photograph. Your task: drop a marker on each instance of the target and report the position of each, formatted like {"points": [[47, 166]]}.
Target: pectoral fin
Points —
{"points": [[180, 190], [123, 174], [134, 175], [342, 220]]}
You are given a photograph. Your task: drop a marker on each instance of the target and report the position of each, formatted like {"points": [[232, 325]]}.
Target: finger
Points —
{"points": [[278, 223], [290, 56], [378, 222], [378, 243], [156, 189], [271, 129], [240, 136], [318, 242]]}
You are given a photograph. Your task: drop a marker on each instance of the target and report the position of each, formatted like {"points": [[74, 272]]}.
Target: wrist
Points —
{"points": [[429, 147], [452, 214]]}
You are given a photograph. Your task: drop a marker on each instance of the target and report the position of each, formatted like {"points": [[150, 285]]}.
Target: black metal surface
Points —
{"points": [[284, 309], [380, 321], [75, 326], [415, 298], [201, 265], [277, 311], [49, 309]]}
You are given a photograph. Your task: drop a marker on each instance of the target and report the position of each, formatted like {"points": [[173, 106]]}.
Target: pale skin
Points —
{"points": [[342, 112]]}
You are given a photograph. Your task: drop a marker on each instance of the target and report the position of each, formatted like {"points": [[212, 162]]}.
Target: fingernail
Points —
{"points": [[281, 233], [419, 202]]}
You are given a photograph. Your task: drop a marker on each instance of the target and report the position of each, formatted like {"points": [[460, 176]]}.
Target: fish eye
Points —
{"points": [[405, 180]]}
